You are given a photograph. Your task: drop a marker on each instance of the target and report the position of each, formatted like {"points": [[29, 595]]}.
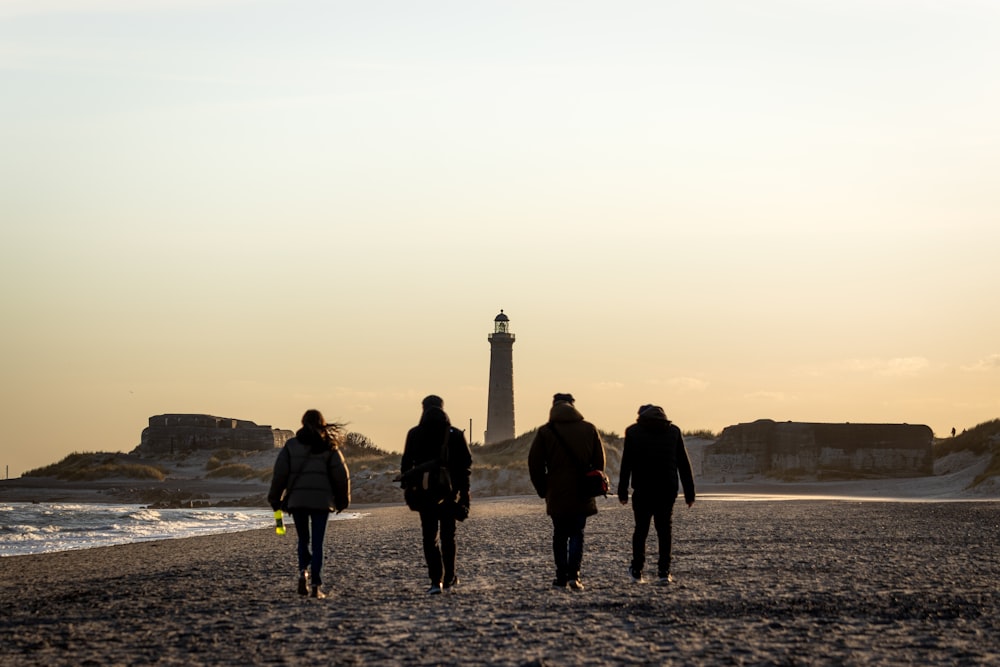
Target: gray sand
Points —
{"points": [[758, 583]]}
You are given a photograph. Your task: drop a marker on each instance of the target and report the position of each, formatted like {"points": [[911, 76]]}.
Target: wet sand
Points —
{"points": [[803, 582]]}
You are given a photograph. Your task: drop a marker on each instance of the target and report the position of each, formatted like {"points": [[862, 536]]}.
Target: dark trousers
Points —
{"points": [[567, 545], [311, 541], [440, 557], [660, 511]]}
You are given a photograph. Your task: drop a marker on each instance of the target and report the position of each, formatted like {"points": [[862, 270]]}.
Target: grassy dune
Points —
{"points": [[89, 466], [981, 439]]}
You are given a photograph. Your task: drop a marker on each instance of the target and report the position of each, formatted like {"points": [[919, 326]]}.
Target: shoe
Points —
{"points": [[635, 574], [576, 584], [666, 578], [315, 592], [304, 582], [451, 583], [435, 589], [559, 583]]}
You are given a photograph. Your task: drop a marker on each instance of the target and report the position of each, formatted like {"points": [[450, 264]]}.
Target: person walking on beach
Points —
{"points": [[653, 457], [310, 480], [432, 446], [562, 451]]}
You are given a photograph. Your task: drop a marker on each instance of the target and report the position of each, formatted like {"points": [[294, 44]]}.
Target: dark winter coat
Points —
{"points": [[424, 443], [557, 469], [653, 457], [315, 475]]}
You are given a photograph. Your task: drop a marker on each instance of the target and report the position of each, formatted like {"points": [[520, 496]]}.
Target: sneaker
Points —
{"points": [[666, 578], [451, 583], [635, 574], [435, 589], [304, 582], [576, 584], [317, 593]]}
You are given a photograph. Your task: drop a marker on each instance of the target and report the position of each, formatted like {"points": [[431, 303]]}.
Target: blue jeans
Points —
{"points": [[567, 545], [311, 542]]}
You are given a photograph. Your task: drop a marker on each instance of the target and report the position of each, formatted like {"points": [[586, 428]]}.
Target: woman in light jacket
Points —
{"points": [[311, 475]]}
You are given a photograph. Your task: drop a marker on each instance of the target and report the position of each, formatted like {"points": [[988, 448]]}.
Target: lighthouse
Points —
{"points": [[500, 408]]}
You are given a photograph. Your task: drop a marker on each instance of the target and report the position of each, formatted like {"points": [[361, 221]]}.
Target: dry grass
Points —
{"points": [[992, 470], [703, 434], [89, 466], [224, 457], [981, 439], [233, 470]]}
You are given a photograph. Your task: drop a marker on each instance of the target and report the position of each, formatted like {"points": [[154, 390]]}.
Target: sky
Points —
{"points": [[780, 209]]}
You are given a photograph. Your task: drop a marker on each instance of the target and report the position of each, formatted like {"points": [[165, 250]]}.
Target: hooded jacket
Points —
{"points": [[653, 457], [424, 442], [315, 475], [556, 469]]}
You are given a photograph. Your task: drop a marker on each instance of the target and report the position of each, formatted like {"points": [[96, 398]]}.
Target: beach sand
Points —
{"points": [[804, 582]]}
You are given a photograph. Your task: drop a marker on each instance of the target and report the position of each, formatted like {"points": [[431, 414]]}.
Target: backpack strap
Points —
{"points": [[443, 456], [579, 464]]}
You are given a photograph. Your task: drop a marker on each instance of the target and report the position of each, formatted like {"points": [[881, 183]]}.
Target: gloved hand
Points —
{"points": [[460, 509]]}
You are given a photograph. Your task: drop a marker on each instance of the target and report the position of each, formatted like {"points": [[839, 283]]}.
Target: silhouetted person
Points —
{"points": [[310, 480], [653, 457], [432, 440], [563, 449]]}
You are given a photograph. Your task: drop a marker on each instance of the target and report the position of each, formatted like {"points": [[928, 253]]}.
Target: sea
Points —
{"points": [[35, 528]]}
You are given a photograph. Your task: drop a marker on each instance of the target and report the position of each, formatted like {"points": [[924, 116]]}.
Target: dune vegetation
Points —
{"points": [[983, 439], [360, 450], [224, 463], [89, 466], [236, 471], [499, 466]]}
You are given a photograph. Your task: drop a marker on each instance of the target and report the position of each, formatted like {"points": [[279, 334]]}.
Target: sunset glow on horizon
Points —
{"points": [[245, 208]]}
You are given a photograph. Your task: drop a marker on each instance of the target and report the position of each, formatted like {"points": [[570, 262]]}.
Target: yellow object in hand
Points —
{"points": [[279, 523]]}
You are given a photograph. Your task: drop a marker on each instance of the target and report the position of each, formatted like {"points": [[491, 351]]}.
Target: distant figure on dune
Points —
{"points": [[435, 477], [310, 480], [563, 450], [653, 457]]}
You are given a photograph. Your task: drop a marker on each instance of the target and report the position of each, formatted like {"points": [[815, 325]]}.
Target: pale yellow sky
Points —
{"points": [[250, 208]]}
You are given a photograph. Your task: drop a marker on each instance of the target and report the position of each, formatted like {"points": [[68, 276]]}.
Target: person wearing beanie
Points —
{"points": [[653, 457], [562, 451], [432, 401], [434, 444]]}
